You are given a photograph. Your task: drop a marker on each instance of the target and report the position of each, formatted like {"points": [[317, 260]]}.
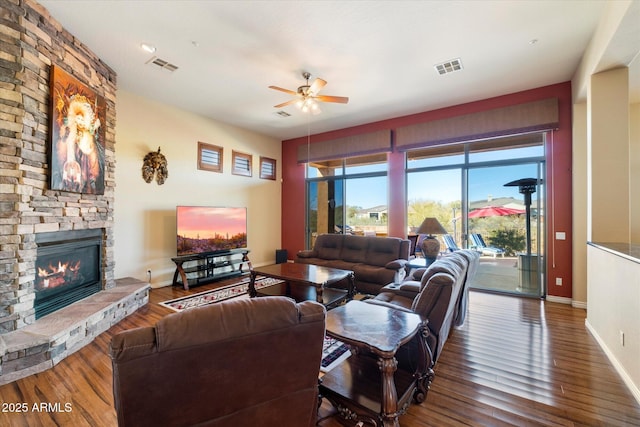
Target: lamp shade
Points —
{"points": [[431, 226]]}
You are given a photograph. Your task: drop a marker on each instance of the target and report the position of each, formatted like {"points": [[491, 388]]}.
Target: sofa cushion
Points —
{"points": [[452, 264], [354, 249], [435, 298], [391, 300], [375, 274], [328, 246], [340, 264], [382, 251], [277, 313]]}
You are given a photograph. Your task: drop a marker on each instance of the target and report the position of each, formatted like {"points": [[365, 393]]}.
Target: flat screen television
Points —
{"points": [[207, 229]]}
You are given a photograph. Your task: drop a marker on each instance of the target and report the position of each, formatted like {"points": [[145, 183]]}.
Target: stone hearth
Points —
{"points": [[42, 344]]}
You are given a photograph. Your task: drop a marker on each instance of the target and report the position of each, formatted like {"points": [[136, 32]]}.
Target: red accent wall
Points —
{"points": [[558, 179]]}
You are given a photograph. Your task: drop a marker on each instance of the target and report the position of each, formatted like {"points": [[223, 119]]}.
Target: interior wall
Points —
{"points": [[634, 170], [145, 217], [614, 284], [608, 167], [580, 204]]}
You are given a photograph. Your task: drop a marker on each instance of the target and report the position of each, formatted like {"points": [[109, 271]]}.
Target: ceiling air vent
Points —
{"points": [[165, 65], [449, 66], [283, 113]]}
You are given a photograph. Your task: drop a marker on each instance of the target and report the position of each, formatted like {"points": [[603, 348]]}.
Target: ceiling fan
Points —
{"points": [[306, 97]]}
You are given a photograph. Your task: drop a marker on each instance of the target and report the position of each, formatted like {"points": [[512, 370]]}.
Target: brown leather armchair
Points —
{"points": [[240, 362]]}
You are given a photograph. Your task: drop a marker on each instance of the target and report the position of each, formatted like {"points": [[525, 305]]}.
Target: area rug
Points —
{"points": [[220, 294]]}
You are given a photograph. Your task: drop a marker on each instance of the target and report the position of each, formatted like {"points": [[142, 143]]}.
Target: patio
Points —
{"points": [[499, 274]]}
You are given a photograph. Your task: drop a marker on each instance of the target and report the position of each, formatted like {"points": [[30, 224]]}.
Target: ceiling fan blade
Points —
{"points": [[317, 86], [284, 104], [329, 98], [290, 92]]}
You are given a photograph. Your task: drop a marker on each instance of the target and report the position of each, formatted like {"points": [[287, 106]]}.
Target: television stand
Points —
{"points": [[198, 269]]}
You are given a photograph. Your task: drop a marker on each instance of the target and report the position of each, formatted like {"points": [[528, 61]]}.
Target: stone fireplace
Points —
{"points": [[57, 284], [33, 217]]}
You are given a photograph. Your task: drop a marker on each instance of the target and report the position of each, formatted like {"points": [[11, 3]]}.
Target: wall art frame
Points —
{"points": [[77, 136]]}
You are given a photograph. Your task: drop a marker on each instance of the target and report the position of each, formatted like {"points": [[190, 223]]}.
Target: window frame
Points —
{"points": [[247, 158], [264, 174], [202, 146]]}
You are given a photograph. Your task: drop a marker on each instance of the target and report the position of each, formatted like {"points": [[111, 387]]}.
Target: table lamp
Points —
{"points": [[430, 245]]}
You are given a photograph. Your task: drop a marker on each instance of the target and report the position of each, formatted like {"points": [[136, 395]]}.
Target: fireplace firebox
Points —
{"points": [[68, 268]]}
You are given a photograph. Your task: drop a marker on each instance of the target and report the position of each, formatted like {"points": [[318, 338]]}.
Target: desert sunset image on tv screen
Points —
{"points": [[210, 229]]}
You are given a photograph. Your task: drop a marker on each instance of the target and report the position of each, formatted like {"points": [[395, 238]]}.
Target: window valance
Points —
{"points": [[521, 118], [350, 146]]}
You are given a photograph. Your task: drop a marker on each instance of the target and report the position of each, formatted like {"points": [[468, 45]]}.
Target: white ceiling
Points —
{"points": [[381, 54]]}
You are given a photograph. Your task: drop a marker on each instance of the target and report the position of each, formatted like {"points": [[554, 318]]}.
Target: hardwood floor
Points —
{"points": [[520, 362]]}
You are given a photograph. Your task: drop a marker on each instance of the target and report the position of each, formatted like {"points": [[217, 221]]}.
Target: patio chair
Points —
{"points": [[480, 246], [450, 243]]}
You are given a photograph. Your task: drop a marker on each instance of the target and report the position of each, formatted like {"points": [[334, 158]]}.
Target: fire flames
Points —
{"points": [[54, 276]]}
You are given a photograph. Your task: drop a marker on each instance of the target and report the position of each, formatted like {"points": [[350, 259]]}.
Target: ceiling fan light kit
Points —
{"points": [[306, 96]]}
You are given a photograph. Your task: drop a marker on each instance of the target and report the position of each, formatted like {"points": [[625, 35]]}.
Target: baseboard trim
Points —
{"points": [[579, 304], [561, 300], [616, 365], [568, 301]]}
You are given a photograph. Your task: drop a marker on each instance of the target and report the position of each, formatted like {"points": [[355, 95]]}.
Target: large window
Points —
{"points": [[477, 192], [347, 196]]}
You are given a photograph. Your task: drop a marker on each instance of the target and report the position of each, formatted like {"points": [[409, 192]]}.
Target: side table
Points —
{"points": [[417, 263], [369, 385], [420, 262]]}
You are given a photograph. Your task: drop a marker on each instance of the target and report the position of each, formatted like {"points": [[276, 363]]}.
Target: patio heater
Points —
{"points": [[528, 267], [526, 186]]}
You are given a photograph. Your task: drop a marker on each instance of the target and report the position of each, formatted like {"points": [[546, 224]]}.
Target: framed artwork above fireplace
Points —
{"points": [[77, 120]]}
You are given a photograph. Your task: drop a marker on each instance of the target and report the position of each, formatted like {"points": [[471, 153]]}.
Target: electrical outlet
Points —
{"points": [[558, 281], [622, 338]]}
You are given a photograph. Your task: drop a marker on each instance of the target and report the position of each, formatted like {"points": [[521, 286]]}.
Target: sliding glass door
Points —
{"points": [[504, 224], [488, 195]]}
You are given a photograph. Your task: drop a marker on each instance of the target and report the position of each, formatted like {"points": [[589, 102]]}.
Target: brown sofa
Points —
{"points": [[376, 261], [438, 294], [242, 362]]}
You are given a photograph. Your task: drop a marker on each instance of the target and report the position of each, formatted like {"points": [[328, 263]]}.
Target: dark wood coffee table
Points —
{"points": [[370, 386], [305, 281]]}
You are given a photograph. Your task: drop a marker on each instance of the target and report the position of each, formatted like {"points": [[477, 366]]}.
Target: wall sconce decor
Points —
{"points": [[155, 163]]}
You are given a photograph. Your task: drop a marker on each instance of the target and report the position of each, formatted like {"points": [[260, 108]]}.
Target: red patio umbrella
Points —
{"points": [[494, 211]]}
